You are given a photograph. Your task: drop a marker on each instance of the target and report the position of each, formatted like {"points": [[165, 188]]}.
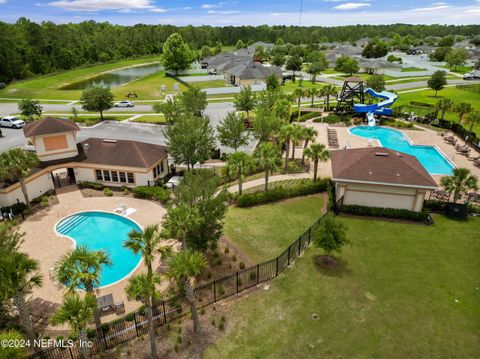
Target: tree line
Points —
{"points": [[28, 48]]}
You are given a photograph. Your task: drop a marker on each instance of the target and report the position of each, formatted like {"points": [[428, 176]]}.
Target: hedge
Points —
{"points": [[435, 205], [332, 119], [276, 194], [385, 212], [17, 208], [156, 193], [91, 185]]}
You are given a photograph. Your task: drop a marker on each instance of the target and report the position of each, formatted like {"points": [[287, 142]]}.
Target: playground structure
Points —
{"points": [[352, 99]]}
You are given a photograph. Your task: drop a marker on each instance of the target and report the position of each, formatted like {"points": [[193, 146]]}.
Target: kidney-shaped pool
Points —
{"points": [[103, 230]]}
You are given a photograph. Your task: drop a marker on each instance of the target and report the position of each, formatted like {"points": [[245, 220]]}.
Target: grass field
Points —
{"points": [[150, 119], [210, 84], [459, 69], [412, 69], [400, 291], [263, 232]]}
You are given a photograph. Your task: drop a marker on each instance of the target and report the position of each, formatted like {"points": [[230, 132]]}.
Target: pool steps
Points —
{"points": [[71, 223]]}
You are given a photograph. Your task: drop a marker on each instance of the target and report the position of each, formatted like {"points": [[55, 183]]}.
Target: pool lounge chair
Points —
{"points": [[119, 308]]}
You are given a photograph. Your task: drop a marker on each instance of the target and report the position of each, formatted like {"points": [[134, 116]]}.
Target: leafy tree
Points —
{"points": [[285, 135], [16, 165], [239, 163], [205, 52], [330, 235], [240, 45], [312, 93], [272, 82], [185, 267], [260, 54], [375, 49], [179, 221], [244, 100], [193, 101], [294, 63], [12, 352], [30, 109], [143, 287], [82, 268], [446, 41], [232, 132], [444, 105], [309, 135], [437, 81], [376, 82], [463, 108], [299, 93], [268, 157], [317, 153], [473, 119], [440, 53], [171, 108], [282, 110], [456, 57], [460, 182], [19, 275], [77, 312], [278, 59], [327, 91], [218, 48], [279, 42], [176, 55], [97, 99], [347, 64], [266, 124], [316, 68], [190, 140], [296, 138]]}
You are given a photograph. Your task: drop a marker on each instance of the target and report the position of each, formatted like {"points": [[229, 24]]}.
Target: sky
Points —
{"points": [[245, 12]]}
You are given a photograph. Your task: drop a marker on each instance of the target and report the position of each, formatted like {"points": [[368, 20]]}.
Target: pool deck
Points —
{"points": [[43, 244]]}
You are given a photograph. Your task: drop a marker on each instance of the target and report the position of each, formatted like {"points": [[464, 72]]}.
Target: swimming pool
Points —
{"points": [[107, 231], [434, 162]]}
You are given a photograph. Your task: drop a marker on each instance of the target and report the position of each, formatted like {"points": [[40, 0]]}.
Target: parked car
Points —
{"points": [[173, 182], [12, 121], [124, 104], [475, 74]]}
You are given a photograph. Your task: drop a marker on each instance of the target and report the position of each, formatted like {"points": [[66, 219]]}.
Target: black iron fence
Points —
{"points": [[134, 324]]}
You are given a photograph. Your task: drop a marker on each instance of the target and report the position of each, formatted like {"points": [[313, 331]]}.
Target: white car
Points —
{"points": [[173, 182], [124, 104], [12, 121]]}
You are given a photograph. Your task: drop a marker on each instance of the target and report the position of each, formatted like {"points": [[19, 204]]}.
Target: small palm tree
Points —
{"points": [[268, 157], [77, 312], [459, 182], [179, 221], [297, 136], [327, 91], [146, 242], [473, 119], [444, 105], [143, 287], [299, 93], [317, 153], [16, 165], [312, 92], [82, 268], [463, 108], [309, 135], [285, 135], [239, 163], [19, 275], [184, 267]]}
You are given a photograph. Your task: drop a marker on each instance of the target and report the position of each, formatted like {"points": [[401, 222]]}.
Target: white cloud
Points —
{"points": [[158, 9], [432, 8], [98, 5], [226, 12], [351, 6], [3, 1], [209, 6]]}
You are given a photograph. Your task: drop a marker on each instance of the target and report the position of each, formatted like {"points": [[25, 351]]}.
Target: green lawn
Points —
{"points": [[459, 69], [400, 291], [290, 86], [210, 84], [412, 69], [150, 119], [263, 232]]}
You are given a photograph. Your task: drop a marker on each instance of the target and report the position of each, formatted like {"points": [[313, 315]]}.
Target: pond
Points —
{"points": [[116, 77]]}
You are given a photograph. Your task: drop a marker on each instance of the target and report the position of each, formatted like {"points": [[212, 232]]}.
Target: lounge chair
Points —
{"points": [[122, 209], [119, 308]]}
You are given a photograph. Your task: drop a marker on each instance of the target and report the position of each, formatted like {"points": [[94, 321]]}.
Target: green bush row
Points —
{"points": [[332, 119], [385, 212], [91, 185], [156, 193], [278, 193], [16, 208]]}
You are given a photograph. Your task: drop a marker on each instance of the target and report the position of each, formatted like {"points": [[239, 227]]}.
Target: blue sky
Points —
{"points": [[245, 12]]}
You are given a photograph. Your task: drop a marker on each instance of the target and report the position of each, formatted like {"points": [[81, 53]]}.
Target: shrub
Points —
{"points": [[107, 192], [332, 119], [241, 265], [156, 193], [276, 194], [16, 208], [92, 185], [227, 250], [219, 262], [385, 212], [234, 258]]}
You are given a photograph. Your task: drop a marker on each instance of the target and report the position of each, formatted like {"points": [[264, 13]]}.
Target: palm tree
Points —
{"points": [[239, 163], [184, 267], [463, 108], [473, 119], [142, 287], [16, 165], [317, 153], [327, 91], [312, 92], [267, 156], [81, 268], [444, 105], [285, 135], [178, 221], [19, 275], [309, 135], [459, 182], [299, 93], [146, 242], [297, 136], [77, 312]]}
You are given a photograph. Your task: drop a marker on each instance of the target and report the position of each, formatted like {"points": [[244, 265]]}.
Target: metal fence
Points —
{"points": [[135, 324]]}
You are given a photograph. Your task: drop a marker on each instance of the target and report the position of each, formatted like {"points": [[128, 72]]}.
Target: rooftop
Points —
{"points": [[380, 165], [48, 126]]}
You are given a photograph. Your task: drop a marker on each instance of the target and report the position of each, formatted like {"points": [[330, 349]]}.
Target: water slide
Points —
{"points": [[376, 108]]}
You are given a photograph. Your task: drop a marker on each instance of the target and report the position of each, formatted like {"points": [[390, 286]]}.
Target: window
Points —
{"points": [[155, 174], [106, 176], [123, 178], [161, 167], [114, 176], [130, 177], [98, 174]]}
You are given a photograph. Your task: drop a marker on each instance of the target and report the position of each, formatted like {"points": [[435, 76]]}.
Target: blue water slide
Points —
{"points": [[377, 108]]}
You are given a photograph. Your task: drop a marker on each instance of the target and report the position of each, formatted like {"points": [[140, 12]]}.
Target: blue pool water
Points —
{"points": [[430, 158], [107, 231]]}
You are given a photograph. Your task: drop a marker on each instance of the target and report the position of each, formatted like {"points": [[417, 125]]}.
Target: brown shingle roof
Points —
{"points": [[379, 165], [49, 125], [353, 79], [121, 153]]}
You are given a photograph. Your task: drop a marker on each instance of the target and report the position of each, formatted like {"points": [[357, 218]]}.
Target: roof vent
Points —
{"points": [[109, 141], [381, 154], [86, 146]]}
